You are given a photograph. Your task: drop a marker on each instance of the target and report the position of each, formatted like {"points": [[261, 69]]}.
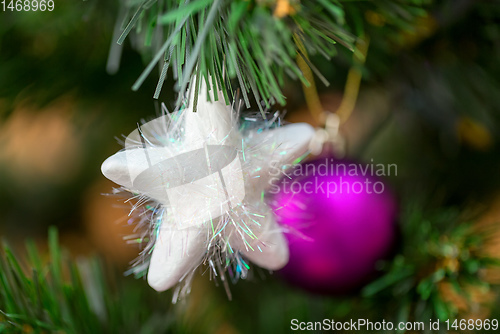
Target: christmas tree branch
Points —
{"points": [[439, 251], [74, 297], [251, 42]]}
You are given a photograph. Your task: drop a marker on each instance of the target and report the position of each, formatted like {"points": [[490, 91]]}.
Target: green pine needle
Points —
{"points": [[65, 296], [436, 249], [238, 40]]}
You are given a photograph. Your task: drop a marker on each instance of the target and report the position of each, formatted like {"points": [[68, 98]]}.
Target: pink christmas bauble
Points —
{"points": [[339, 219]]}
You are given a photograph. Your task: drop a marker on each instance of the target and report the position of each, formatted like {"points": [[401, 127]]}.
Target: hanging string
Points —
{"points": [[352, 85], [353, 81], [310, 92]]}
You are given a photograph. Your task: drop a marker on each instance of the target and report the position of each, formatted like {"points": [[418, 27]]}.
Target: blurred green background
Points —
{"points": [[429, 102]]}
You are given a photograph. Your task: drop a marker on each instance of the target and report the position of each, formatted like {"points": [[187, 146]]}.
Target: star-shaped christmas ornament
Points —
{"points": [[201, 177]]}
